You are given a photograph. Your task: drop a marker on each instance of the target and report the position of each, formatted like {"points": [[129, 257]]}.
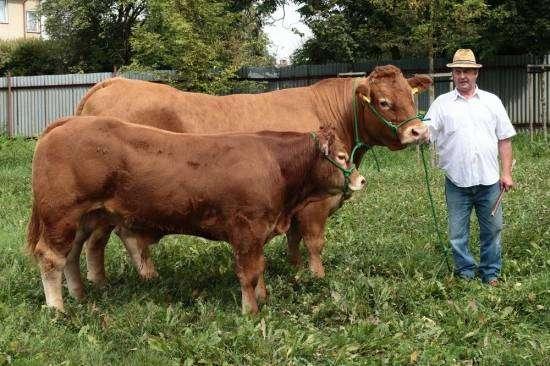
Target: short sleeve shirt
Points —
{"points": [[466, 134]]}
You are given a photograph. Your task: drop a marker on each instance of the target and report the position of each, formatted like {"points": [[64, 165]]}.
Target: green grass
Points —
{"points": [[387, 296]]}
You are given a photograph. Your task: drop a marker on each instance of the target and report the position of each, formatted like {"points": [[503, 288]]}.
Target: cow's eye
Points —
{"points": [[384, 104]]}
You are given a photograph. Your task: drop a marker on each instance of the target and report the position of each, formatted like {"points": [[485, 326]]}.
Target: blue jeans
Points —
{"points": [[460, 201]]}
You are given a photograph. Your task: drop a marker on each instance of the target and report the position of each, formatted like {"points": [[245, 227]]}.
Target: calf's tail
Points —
{"points": [[34, 230]]}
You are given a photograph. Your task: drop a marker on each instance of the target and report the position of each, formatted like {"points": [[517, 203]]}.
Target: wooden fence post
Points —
{"points": [[542, 98], [530, 89], [9, 127]]}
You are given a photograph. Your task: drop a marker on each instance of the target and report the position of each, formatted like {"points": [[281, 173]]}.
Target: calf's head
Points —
{"points": [[387, 112], [333, 172]]}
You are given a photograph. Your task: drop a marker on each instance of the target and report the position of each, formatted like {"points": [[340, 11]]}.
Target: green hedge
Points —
{"points": [[31, 57]]}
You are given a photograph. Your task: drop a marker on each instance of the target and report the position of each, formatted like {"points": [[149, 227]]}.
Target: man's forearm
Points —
{"points": [[506, 156]]}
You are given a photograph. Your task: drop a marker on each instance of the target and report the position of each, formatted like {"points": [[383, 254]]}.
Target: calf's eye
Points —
{"points": [[384, 104], [342, 157]]}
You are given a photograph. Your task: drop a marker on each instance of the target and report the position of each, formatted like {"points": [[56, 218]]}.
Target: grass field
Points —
{"points": [[387, 297]]}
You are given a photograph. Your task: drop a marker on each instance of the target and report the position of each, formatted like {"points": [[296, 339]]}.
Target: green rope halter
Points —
{"points": [[346, 172], [444, 249], [360, 144]]}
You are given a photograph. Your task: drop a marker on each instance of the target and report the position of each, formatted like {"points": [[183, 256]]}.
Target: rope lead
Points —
{"points": [[445, 250]]}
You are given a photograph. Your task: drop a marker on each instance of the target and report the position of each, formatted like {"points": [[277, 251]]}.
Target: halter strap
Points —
{"points": [[346, 172]]}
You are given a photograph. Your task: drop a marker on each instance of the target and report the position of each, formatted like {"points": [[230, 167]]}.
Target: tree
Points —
{"points": [[205, 41], [518, 27], [95, 34], [349, 31]]}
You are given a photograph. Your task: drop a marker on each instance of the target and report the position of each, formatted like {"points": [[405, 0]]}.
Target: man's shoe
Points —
{"points": [[493, 282]]}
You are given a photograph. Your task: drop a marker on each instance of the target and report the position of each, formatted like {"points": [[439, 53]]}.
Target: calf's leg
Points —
{"points": [[293, 238], [72, 266], [51, 264], [261, 291], [137, 246], [95, 255], [250, 264], [312, 220]]}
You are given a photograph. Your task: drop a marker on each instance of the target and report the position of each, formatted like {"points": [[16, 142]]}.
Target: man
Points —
{"points": [[471, 130]]}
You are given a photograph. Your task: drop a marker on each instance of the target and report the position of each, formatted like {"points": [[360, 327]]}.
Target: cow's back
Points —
{"points": [[167, 108]]}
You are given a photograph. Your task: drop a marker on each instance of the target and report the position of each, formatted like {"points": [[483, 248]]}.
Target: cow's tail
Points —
{"points": [[93, 89], [34, 230]]}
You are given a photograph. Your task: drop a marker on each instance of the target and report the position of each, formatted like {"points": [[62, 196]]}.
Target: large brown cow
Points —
{"points": [[91, 172], [384, 95]]}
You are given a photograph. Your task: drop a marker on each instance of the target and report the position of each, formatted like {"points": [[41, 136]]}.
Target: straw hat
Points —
{"points": [[465, 58]]}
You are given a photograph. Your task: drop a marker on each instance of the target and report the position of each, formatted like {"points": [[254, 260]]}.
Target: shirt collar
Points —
{"points": [[457, 95]]}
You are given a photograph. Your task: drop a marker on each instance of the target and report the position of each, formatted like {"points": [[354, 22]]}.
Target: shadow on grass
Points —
{"points": [[193, 269]]}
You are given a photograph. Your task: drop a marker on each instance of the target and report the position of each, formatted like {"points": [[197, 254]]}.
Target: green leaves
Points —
{"points": [[205, 41], [94, 34], [351, 31]]}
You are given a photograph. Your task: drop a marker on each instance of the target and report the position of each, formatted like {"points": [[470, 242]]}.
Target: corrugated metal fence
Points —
{"points": [[28, 104]]}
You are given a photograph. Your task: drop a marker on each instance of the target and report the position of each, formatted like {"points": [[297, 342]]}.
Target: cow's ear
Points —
{"points": [[420, 83], [363, 91], [326, 136]]}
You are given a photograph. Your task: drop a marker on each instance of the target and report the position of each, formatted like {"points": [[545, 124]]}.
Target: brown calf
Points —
{"points": [[91, 173]]}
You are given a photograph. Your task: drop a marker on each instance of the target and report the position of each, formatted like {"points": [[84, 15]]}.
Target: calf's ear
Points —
{"points": [[326, 137], [420, 83]]}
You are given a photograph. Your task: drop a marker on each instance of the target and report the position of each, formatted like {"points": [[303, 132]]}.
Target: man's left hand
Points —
{"points": [[506, 182]]}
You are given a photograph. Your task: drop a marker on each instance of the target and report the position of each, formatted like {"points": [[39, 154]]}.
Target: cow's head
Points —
{"points": [[334, 173], [385, 99]]}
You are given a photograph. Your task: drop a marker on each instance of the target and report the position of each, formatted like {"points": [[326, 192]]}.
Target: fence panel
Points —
{"points": [[3, 109], [39, 100]]}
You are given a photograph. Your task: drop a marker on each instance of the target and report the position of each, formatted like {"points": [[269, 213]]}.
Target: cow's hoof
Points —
{"points": [[97, 281], [295, 260], [149, 274], [78, 294], [317, 271], [261, 295]]}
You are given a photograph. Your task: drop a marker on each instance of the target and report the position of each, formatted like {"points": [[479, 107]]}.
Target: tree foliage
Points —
{"points": [[352, 30], [31, 57], [518, 26], [206, 41], [95, 34]]}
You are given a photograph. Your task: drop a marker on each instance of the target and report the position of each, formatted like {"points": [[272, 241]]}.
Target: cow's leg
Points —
{"points": [[137, 246], [312, 221], [293, 238], [260, 290], [95, 255], [314, 238], [51, 264], [72, 266], [249, 265]]}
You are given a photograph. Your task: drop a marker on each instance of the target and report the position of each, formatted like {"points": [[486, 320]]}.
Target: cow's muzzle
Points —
{"points": [[414, 134]]}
